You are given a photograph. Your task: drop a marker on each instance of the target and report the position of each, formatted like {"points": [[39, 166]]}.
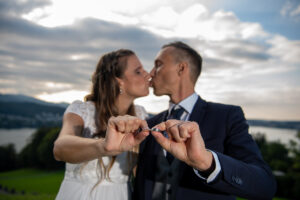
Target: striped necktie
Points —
{"points": [[175, 113]]}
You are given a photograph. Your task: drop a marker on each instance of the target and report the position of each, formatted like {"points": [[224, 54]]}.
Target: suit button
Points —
{"points": [[170, 174], [237, 180], [169, 191]]}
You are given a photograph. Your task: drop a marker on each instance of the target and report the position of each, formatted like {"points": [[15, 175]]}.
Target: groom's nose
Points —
{"points": [[152, 73]]}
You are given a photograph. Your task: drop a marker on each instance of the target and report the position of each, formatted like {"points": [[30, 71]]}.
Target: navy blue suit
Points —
{"points": [[225, 131]]}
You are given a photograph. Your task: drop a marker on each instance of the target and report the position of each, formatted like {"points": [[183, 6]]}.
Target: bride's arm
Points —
{"points": [[71, 147], [120, 136]]}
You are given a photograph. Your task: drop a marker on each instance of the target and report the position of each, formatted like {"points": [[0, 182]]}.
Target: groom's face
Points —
{"points": [[164, 73]]}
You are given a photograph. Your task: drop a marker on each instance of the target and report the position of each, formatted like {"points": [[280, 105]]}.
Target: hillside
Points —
{"points": [[18, 111], [276, 124]]}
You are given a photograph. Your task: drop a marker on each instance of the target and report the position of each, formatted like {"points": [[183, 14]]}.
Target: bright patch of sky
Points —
{"points": [[275, 16]]}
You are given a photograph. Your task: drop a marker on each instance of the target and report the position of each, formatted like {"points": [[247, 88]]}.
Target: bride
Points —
{"points": [[100, 150]]}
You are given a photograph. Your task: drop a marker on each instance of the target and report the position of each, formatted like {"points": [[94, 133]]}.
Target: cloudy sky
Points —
{"points": [[251, 49]]}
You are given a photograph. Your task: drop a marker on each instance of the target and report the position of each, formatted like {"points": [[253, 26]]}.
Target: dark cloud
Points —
{"points": [[248, 50], [210, 64], [32, 55], [36, 55], [18, 7]]}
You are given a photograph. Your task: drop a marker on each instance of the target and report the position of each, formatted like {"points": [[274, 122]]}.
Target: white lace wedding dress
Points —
{"points": [[80, 179]]}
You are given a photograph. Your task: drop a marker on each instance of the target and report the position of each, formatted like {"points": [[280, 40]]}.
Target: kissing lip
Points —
{"points": [[150, 80]]}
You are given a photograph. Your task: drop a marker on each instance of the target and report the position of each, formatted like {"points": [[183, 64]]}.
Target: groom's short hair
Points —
{"points": [[184, 52]]}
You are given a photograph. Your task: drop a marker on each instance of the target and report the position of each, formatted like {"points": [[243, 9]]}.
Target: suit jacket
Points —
{"points": [[225, 131]]}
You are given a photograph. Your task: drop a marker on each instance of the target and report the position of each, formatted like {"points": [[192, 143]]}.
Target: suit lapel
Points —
{"points": [[198, 113]]}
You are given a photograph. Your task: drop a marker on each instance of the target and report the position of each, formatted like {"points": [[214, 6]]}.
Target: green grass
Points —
{"points": [[26, 197], [275, 198], [37, 184], [32, 181]]}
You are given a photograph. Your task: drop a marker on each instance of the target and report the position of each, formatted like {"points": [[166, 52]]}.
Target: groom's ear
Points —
{"points": [[182, 67]]}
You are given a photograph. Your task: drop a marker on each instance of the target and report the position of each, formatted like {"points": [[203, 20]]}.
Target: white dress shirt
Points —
{"points": [[188, 104]]}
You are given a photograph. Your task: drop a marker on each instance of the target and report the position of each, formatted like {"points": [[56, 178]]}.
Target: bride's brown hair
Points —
{"points": [[105, 87], [104, 93]]}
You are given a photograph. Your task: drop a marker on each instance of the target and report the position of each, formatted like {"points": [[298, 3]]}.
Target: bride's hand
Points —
{"points": [[121, 134]]}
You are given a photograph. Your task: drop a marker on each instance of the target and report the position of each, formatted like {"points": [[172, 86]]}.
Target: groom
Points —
{"points": [[215, 159]]}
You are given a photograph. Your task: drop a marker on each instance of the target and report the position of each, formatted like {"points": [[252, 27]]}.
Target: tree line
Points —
{"points": [[284, 160], [38, 153]]}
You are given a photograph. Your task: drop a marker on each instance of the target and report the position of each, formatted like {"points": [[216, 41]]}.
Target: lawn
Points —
{"points": [[26, 197], [36, 184]]}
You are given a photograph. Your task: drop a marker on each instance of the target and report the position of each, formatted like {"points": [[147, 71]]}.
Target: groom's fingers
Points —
{"points": [[161, 139], [177, 130], [162, 126]]}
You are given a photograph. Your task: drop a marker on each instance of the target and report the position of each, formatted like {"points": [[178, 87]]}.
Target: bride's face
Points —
{"points": [[135, 81]]}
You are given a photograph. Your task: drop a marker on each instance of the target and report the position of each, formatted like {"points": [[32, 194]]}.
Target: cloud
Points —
{"points": [[65, 55], [290, 9], [242, 62], [296, 11], [284, 50], [165, 18], [18, 7], [286, 8], [197, 22]]}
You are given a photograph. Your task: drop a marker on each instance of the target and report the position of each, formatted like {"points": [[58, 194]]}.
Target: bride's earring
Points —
{"points": [[121, 91]]}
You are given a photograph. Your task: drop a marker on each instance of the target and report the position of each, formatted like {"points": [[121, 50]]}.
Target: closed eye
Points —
{"points": [[138, 70], [157, 64]]}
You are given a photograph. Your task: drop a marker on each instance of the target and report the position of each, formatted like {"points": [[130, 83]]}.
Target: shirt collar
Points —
{"points": [[187, 103]]}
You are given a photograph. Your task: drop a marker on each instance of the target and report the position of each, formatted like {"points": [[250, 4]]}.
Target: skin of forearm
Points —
{"points": [[203, 163], [74, 149]]}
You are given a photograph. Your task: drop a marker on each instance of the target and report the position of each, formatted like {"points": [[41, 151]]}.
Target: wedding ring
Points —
{"points": [[156, 129], [148, 129]]}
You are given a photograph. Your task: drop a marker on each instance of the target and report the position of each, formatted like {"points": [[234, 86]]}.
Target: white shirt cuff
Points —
{"points": [[215, 173]]}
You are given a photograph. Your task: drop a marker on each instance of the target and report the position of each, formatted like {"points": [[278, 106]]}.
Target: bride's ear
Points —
{"points": [[120, 82]]}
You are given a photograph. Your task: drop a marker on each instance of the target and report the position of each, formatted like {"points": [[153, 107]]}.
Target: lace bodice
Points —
{"points": [[90, 172], [86, 110]]}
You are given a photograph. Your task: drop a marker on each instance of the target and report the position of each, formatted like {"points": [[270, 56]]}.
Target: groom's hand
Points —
{"points": [[122, 135], [185, 143]]}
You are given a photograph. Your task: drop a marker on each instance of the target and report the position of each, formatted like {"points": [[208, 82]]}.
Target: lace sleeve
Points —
{"points": [[77, 107], [141, 112]]}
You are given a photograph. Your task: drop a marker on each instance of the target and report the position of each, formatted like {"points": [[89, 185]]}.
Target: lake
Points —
{"points": [[20, 137], [275, 134]]}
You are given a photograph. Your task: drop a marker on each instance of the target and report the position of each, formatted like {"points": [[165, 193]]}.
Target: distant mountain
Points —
{"points": [[269, 123], [276, 124], [18, 111], [23, 98]]}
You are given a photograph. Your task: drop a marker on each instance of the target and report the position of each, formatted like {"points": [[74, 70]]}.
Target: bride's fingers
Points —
{"points": [[121, 125], [129, 124], [141, 136], [144, 124], [138, 123]]}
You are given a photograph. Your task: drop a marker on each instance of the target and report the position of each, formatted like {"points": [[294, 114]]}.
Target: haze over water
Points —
{"points": [[20, 137]]}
